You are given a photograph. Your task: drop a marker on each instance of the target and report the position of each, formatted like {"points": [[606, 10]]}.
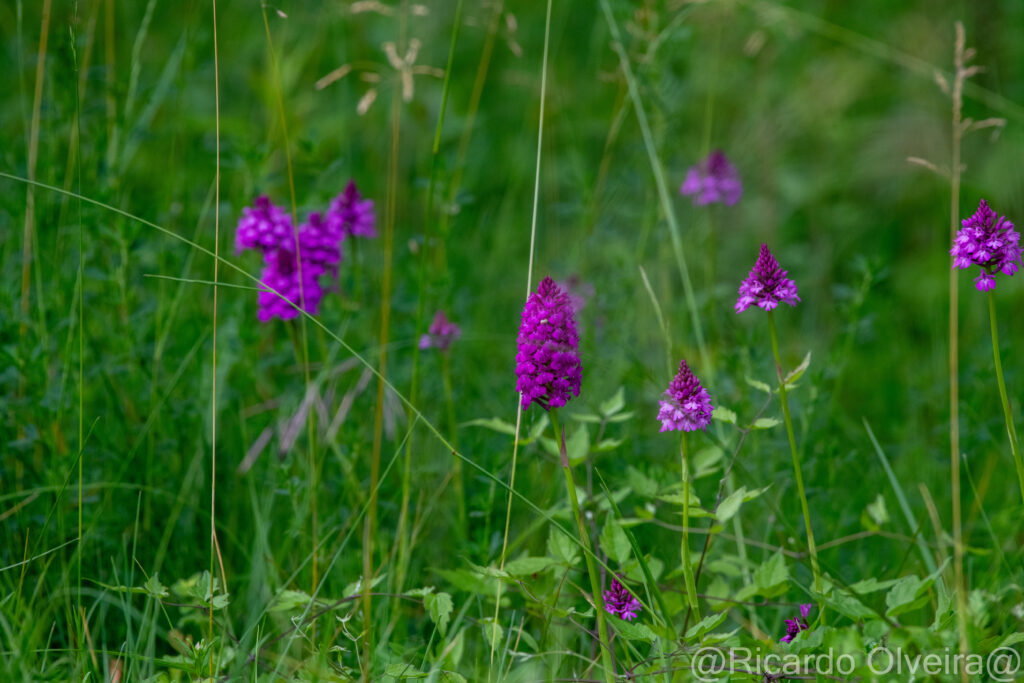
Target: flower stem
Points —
{"points": [[1010, 429], [691, 585], [812, 548], [588, 553]]}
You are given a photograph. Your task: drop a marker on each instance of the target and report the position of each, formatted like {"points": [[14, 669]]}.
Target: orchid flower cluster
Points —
{"points": [[295, 260]]}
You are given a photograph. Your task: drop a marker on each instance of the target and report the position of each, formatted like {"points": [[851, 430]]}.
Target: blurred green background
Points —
{"points": [[818, 105]]}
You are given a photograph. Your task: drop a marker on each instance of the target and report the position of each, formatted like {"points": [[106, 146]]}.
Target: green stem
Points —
{"points": [[691, 585], [796, 456], [1010, 429], [588, 553]]}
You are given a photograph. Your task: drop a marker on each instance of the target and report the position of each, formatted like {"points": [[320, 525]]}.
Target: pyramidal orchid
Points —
{"points": [[549, 373], [713, 180], [548, 364], [685, 406], [990, 241], [767, 285]]}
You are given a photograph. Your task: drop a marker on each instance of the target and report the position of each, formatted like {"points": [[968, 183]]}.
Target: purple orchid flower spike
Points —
{"points": [[548, 364], [441, 333], [766, 285], [713, 180], [795, 626], [685, 405], [989, 241], [619, 601]]}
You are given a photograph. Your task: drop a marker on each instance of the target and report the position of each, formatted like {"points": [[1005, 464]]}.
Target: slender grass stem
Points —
{"points": [[588, 553], [691, 586], [529, 288], [811, 547], [1011, 430], [378, 416], [213, 358], [954, 362]]}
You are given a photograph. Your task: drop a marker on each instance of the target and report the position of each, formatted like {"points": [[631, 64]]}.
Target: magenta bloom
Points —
{"points": [[617, 600], [713, 180], [350, 214], [441, 333], [795, 626], [265, 227], [685, 404], [319, 245], [989, 242], [548, 364], [282, 274], [766, 285]]}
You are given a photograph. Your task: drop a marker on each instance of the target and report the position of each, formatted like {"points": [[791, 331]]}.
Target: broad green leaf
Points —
{"points": [[705, 625], [731, 504], [494, 633], [439, 606], [766, 423], [606, 445], [614, 542], [614, 404], [724, 415], [771, 577], [641, 484], [908, 594], [495, 424], [524, 566], [796, 373], [562, 549], [760, 386], [154, 588], [403, 671], [289, 601], [631, 631]]}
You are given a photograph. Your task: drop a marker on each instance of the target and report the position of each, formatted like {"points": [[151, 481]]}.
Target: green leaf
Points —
{"points": [[451, 677], [403, 671], [439, 606], [577, 447], [538, 428], [641, 484], [871, 585], [606, 445], [154, 588], [766, 423], [493, 632], [631, 631], [614, 404], [614, 542], [796, 373], [524, 566], [586, 417], [705, 625], [760, 386], [495, 424], [771, 577], [724, 415], [621, 417], [877, 510], [909, 593], [562, 549], [289, 601], [731, 504]]}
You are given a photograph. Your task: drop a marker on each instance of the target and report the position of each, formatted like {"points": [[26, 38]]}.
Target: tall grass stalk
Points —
{"points": [[959, 76], [213, 355], [1011, 430], [369, 528], [588, 553], [811, 547], [529, 288]]}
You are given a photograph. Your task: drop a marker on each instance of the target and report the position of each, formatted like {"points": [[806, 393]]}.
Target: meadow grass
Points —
{"points": [[187, 493]]}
